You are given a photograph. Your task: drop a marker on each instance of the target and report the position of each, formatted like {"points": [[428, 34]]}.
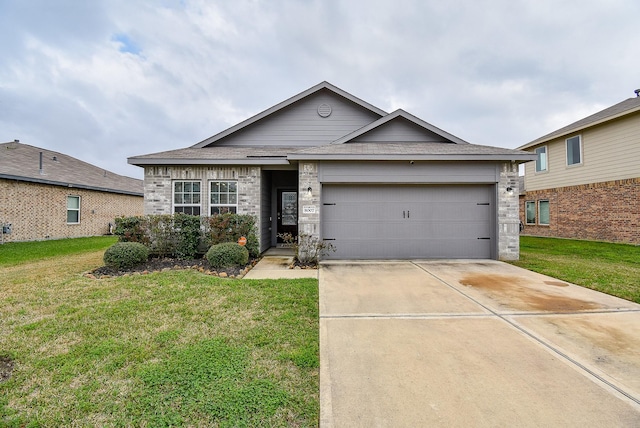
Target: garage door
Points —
{"points": [[406, 221]]}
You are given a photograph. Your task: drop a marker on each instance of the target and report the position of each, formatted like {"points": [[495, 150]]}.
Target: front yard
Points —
{"points": [[164, 349], [610, 268]]}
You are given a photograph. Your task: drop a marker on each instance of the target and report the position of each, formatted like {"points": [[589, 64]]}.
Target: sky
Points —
{"points": [[104, 80]]}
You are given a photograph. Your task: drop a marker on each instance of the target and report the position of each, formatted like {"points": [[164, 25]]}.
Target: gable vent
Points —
{"points": [[324, 110]]}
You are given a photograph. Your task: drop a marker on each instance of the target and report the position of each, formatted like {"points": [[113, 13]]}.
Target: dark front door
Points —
{"points": [[287, 212]]}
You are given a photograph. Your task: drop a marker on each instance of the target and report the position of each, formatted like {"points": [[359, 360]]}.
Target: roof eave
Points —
{"points": [[552, 135], [520, 158], [70, 185], [173, 161]]}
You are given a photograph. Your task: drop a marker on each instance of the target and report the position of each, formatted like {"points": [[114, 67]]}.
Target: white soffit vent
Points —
{"points": [[324, 110]]}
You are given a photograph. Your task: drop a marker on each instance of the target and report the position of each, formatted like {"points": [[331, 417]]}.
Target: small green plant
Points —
{"points": [[308, 249], [227, 254], [123, 255]]}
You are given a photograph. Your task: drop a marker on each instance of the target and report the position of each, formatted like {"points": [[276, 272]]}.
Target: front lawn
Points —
{"points": [[611, 268], [175, 348]]}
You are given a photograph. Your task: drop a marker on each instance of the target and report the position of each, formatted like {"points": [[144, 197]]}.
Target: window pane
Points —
{"points": [[224, 199], [73, 216], [541, 162], [177, 186], [215, 187], [544, 212], [215, 198], [187, 187], [233, 199], [73, 202], [187, 198], [573, 150], [177, 198], [196, 187], [196, 198], [233, 187], [531, 212], [224, 187]]}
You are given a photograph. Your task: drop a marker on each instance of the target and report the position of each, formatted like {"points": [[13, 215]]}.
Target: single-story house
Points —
{"points": [[329, 166], [50, 195], [585, 180]]}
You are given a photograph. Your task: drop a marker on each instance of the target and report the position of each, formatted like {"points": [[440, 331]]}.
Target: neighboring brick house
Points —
{"points": [[585, 182], [49, 195], [331, 166]]}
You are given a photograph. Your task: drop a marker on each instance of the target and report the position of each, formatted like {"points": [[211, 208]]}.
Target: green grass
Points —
{"points": [[176, 348], [14, 253], [611, 268]]}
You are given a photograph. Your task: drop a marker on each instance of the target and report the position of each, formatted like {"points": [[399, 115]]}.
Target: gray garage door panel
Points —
{"points": [[404, 221]]}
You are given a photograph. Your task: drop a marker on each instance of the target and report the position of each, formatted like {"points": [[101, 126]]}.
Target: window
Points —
{"points": [[543, 213], [223, 197], [530, 208], [541, 162], [73, 209], [574, 155], [186, 197]]}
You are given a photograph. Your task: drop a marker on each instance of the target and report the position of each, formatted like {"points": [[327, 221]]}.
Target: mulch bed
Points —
{"points": [[163, 264]]}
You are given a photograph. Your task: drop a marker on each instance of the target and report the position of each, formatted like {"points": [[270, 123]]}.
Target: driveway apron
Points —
{"points": [[472, 343]]}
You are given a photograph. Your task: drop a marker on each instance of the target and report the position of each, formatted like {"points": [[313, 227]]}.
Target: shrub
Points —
{"points": [[230, 227], [125, 255], [131, 229], [227, 254], [308, 249]]}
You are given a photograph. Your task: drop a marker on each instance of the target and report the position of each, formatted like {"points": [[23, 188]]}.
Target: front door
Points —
{"points": [[287, 213]]}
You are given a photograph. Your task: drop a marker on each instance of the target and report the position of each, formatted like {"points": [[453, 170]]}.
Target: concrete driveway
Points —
{"points": [[472, 343]]}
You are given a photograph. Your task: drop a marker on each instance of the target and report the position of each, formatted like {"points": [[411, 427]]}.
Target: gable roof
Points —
{"points": [[287, 103], [394, 116], [377, 140], [623, 108], [21, 162]]}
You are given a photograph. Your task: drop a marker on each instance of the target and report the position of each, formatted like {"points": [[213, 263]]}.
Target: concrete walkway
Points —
{"points": [[472, 343], [275, 264]]}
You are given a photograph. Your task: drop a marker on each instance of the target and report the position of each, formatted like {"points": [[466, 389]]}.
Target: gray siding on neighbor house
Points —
{"points": [[400, 130], [405, 172], [300, 124]]}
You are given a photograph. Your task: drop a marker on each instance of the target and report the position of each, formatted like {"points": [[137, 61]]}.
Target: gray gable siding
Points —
{"points": [[300, 124], [400, 130]]}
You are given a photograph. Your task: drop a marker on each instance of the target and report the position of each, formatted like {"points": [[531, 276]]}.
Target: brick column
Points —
{"points": [[508, 213]]}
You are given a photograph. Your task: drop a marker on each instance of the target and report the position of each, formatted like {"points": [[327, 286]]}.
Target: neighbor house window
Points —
{"points": [[223, 197], [73, 209], [186, 197], [530, 208], [574, 152], [543, 213], [541, 161]]}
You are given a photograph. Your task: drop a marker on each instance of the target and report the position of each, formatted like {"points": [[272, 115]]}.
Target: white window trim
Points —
{"points": [[210, 205], [74, 209], [566, 151], [173, 195], [535, 163]]}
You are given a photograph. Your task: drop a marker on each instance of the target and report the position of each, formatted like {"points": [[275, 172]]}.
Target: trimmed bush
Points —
{"points": [[229, 227], [122, 255], [227, 254]]}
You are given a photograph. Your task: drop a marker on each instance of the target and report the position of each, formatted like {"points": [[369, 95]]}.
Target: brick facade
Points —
{"points": [[607, 211], [508, 213], [39, 211]]}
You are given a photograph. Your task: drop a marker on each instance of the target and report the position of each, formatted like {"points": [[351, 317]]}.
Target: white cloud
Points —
{"points": [[110, 79]]}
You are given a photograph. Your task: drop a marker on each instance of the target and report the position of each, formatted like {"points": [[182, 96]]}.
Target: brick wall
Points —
{"points": [[607, 211], [39, 211], [508, 213]]}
